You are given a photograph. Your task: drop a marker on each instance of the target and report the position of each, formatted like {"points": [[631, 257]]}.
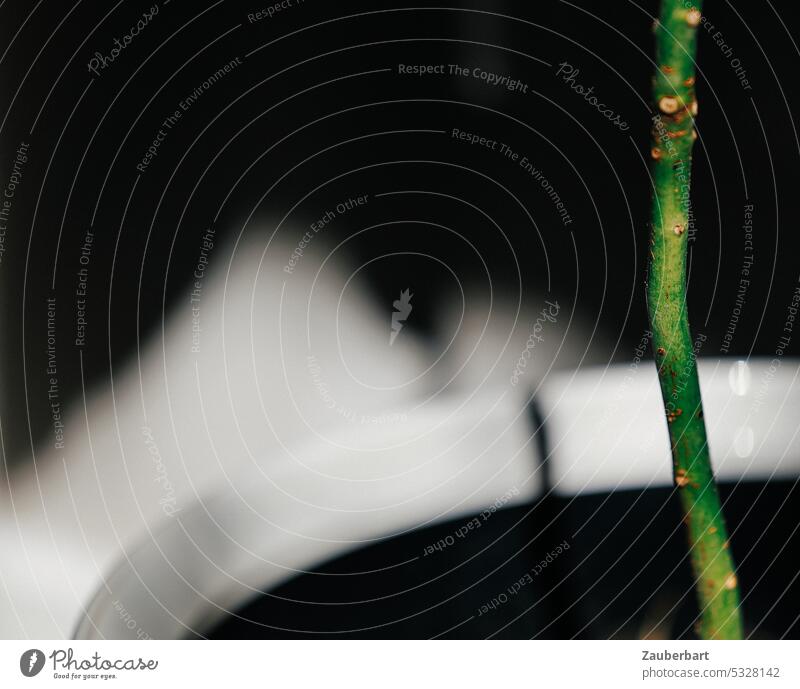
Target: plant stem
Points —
{"points": [[673, 136]]}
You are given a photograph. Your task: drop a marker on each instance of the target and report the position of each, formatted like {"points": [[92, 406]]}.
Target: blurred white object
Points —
{"points": [[278, 400], [278, 425], [607, 431], [230, 548]]}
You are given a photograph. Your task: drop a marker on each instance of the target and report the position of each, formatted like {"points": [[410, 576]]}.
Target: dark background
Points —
{"points": [[87, 134]]}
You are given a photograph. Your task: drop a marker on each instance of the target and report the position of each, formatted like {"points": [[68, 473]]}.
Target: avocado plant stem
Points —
{"points": [[673, 135]]}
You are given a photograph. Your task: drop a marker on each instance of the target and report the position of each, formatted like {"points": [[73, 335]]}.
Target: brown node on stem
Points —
{"points": [[689, 81], [655, 153], [681, 479], [678, 229], [731, 582], [661, 351], [712, 529], [668, 105], [667, 69], [672, 415]]}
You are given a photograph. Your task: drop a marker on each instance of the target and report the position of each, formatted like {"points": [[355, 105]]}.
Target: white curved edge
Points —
{"points": [[222, 552]]}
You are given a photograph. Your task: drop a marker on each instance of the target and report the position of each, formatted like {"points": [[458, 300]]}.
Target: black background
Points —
{"points": [[87, 134]]}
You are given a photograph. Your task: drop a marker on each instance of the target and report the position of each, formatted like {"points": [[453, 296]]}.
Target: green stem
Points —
{"points": [[673, 136]]}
